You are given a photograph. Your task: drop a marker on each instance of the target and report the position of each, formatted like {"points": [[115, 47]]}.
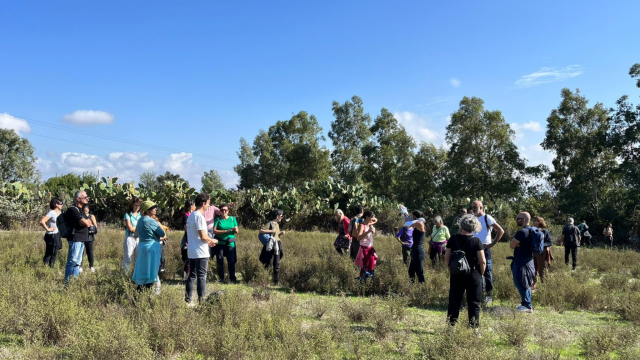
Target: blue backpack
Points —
{"points": [[537, 240]]}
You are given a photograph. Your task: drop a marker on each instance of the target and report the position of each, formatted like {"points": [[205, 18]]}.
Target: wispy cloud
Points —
{"points": [[548, 75], [455, 82], [88, 117], [419, 127], [13, 123], [530, 126]]}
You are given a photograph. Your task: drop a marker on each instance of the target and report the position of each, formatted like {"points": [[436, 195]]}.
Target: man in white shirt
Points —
{"points": [[488, 223], [198, 248]]}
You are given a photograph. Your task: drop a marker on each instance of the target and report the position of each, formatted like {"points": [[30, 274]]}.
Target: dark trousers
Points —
{"points": [[406, 255], [185, 260], [274, 261], [220, 252], [540, 263], [573, 249], [458, 284], [416, 266], [488, 275], [163, 262], [89, 248], [198, 269], [50, 250], [353, 251], [437, 252]]}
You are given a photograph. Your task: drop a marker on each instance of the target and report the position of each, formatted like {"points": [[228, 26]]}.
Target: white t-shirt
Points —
{"points": [[197, 249], [52, 222], [485, 234]]}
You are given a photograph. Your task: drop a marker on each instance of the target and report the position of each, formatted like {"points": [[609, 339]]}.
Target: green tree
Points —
{"points": [[211, 181], [149, 180], [65, 186], [483, 158], [388, 160], [583, 164], [426, 177], [17, 160], [247, 169], [169, 176], [289, 154], [349, 134], [625, 135]]}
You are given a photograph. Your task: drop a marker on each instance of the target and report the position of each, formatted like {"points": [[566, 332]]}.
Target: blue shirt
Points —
{"points": [[149, 230], [408, 236], [134, 221], [524, 252]]}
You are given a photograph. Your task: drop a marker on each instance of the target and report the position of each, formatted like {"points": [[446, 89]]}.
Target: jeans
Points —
{"points": [[574, 255], [130, 246], [472, 284], [74, 259], [487, 282], [199, 271], [525, 292], [220, 252]]}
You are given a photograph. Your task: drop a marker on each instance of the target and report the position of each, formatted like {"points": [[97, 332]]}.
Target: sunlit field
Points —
{"points": [[319, 310]]}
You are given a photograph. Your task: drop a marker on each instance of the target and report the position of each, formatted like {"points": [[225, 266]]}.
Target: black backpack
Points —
{"points": [[459, 264], [65, 228]]}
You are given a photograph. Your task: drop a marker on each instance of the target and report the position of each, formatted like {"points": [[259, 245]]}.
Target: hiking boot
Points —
{"points": [[524, 309]]}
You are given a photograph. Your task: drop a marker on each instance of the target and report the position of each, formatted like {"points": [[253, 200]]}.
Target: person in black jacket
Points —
{"points": [[78, 225], [570, 238], [472, 283]]}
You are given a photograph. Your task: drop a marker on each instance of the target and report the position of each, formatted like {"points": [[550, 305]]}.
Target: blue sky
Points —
{"points": [[179, 80]]}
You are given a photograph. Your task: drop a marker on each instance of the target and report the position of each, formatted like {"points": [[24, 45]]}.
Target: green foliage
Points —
{"points": [[211, 181], [17, 159], [64, 186]]}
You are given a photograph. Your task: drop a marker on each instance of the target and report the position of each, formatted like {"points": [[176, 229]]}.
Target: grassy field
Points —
{"points": [[319, 311]]}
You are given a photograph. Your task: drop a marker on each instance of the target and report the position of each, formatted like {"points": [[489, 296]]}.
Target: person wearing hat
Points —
{"points": [[149, 232], [472, 282]]}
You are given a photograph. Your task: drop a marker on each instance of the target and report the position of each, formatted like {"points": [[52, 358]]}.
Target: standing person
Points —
{"points": [[343, 241], [149, 232], [93, 230], [367, 257], [405, 237], [439, 236], [570, 238], [487, 222], [189, 207], [471, 283], [52, 240], [78, 225], [163, 243], [354, 230], [198, 249], [584, 233], [542, 261], [418, 254], [210, 216], [608, 235], [271, 258], [130, 243], [455, 225], [522, 265], [225, 230]]}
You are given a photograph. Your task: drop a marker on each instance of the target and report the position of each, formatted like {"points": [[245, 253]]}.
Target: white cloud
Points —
{"points": [[127, 166], [454, 82], [13, 123], [548, 75], [88, 117], [419, 127]]}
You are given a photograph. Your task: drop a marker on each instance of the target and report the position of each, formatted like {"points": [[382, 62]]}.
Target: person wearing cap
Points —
{"points": [[471, 283], [149, 233], [198, 249]]}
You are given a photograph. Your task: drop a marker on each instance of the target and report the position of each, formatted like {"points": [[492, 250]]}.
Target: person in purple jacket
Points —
{"points": [[405, 237]]}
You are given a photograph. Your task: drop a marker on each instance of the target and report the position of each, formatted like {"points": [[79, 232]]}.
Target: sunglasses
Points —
{"points": [[224, 209]]}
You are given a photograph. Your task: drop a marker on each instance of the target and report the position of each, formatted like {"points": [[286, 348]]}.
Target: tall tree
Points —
{"points": [[483, 158], [576, 134], [65, 186], [211, 181], [426, 177], [247, 169], [388, 159], [289, 154], [17, 160], [149, 180], [349, 134]]}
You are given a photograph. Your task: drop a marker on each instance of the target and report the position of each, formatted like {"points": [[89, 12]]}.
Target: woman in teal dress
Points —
{"points": [[145, 273]]}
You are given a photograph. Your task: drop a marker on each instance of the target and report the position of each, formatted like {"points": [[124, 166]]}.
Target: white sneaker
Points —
{"points": [[191, 305], [524, 309], [93, 269], [488, 300], [80, 269]]}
